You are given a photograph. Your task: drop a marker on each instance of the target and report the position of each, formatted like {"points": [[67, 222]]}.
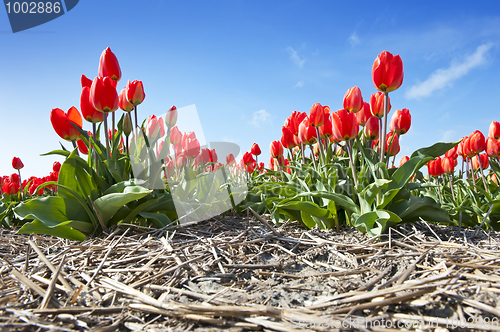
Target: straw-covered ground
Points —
{"points": [[235, 273]]}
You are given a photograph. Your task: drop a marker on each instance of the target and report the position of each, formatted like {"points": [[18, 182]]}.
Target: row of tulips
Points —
{"points": [[347, 176]]}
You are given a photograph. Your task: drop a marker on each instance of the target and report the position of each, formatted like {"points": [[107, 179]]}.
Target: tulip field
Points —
{"points": [[329, 169], [343, 221]]}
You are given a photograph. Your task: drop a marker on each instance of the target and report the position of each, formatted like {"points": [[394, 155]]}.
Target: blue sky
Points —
{"points": [[247, 65]]}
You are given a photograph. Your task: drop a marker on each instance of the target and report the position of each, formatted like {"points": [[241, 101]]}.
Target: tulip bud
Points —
{"points": [[127, 124], [317, 115], [171, 117], [56, 166], [393, 143], [135, 92], [230, 159], [364, 114], [387, 72], [108, 65], [377, 104], [494, 130], [371, 130], [255, 150], [62, 123], [276, 149], [17, 163], [123, 102], [403, 160], [483, 157], [344, 125], [353, 101], [400, 121]]}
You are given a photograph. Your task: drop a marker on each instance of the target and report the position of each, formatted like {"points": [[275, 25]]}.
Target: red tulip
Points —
{"points": [[89, 112], [103, 94], [307, 133], [477, 143], [62, 123], [403, 160], [371, 130], [484, 161], [171, 117], [394, 145], [452, 153], [17, 163], [364, 114], [108, 65], [317, 115], [492, 147], [448, 165], [377, 104], [255, 150], [123, 101], [135, 92], [326, 130], [400, 121], [155, 127], [230, 159], [247, 158], [213, 156], [276, 149], [344, 125], [56, 166], [387, 72], [287, 138], [11, 188], [175, 136], [169, 169], [435, 168], [294, 120], [353, 101], [82, 147], [494, 130], [190, 145], [86, 82], [203, 157]]}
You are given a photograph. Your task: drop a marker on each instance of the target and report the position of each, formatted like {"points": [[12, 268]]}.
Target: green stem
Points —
{"points": [[482, 173], [320, 147], [106, 136]]}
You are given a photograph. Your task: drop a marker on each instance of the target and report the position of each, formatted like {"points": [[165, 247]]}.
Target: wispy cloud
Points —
{"points": [[299, 84], [295, 57], [260, 117], [449, 136], [444, 77], [354, 39]]}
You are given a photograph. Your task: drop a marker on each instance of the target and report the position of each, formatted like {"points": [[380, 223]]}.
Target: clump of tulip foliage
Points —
{"points": [[331, 168]]}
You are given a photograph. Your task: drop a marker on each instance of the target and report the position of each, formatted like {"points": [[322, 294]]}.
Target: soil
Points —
{"points": [[239, 273]]}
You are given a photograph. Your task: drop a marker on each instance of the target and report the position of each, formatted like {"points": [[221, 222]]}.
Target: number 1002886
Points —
{"points": [[33, 7]]}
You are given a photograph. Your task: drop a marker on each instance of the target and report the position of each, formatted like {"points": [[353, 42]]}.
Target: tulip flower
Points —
{"points": [[171, 117], [82, 147], [477, 143], [62, 123], [230, 159], [452, 153], [377, 104], [108, 65], [247, 158], [255, 150], [403, 160], [353, 101], [89, 112], [135, 92], [326, 130], [17, 163], [203, 157], [213, 156], [492, 147], [103, 95], [400, 121], [307, 133], [484, 162], [276, 149], [372, 128], [190, 145], [294, 120], [435, 167], [317, 115], [56, 166], [123, 102], [392, 144], [287, 138], [387, 72], [344, 125], [169, 169], [86, 82], [494, 130], [448, 165], [364, 114], [175, 136]]}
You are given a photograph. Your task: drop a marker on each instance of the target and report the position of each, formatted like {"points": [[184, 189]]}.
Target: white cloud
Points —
{"points": [[354, 39], [299, 84], [295, 57], [260, 117], [449, 136], [445, 77]]}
